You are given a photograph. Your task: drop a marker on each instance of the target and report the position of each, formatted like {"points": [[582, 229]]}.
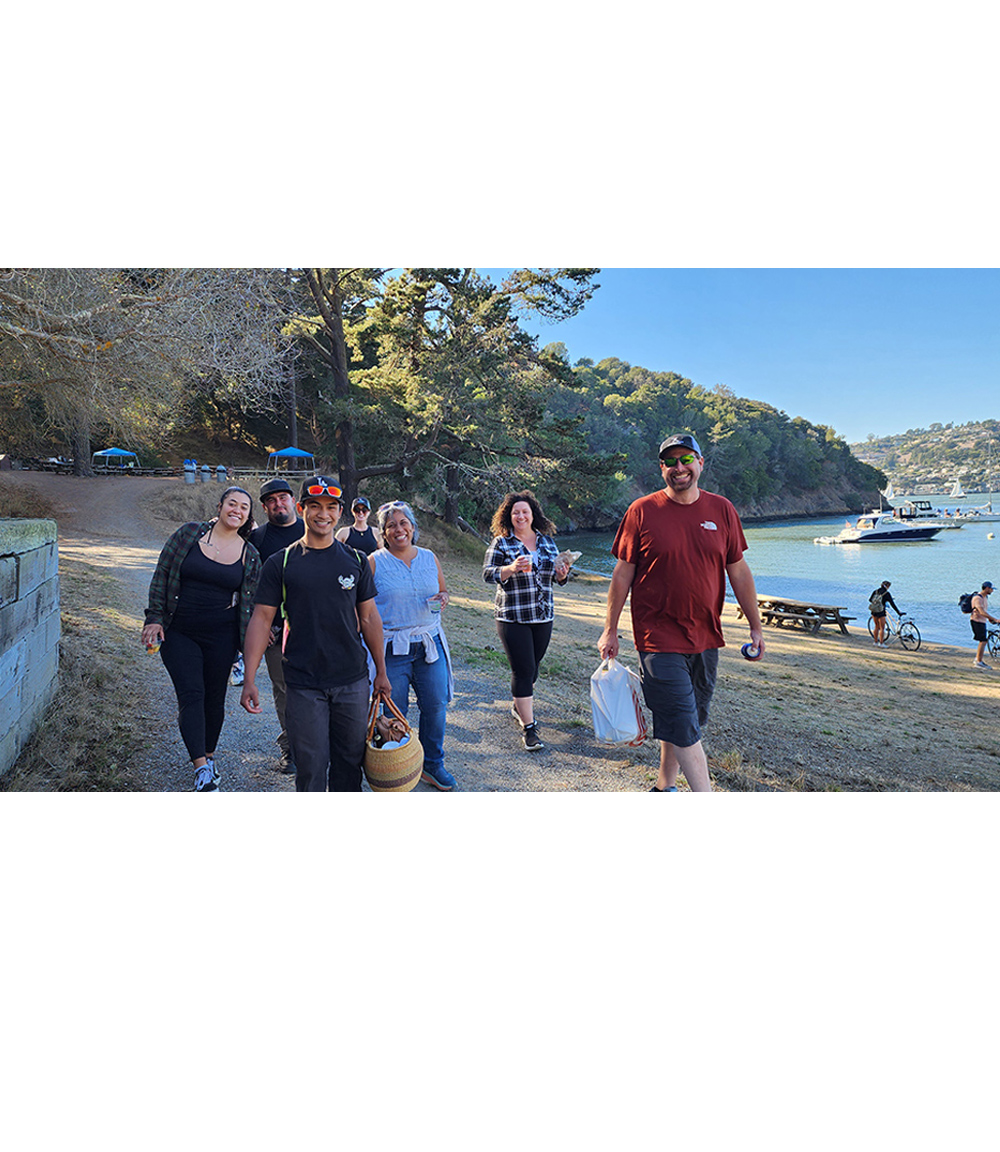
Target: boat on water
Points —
{"points": [[957, 492], [912, 511], [983, 514], [881, 528]]}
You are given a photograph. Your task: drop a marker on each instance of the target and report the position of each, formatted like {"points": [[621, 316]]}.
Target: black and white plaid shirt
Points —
{"points": [[526, 598]]}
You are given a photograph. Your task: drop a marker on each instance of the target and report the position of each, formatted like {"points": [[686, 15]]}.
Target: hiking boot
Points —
{"points": [[439, 777], [286, 765], [207, 777], [532, 741]]}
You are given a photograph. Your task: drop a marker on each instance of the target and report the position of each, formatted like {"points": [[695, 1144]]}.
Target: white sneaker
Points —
{"points": [[980, 664]]}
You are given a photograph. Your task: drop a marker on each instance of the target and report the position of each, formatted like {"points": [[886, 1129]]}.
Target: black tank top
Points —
{"points": [[208, 590], [363, 541]]}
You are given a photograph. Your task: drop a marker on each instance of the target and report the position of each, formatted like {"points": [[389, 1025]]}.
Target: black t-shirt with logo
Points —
{"points": [[323, 587]]}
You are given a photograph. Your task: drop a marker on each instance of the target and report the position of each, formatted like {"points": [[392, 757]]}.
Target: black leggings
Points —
{"points": [[199, 665], [525, 645]]}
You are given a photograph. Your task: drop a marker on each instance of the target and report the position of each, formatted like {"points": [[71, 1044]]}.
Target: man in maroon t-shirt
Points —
{"points": [[675, 549]]}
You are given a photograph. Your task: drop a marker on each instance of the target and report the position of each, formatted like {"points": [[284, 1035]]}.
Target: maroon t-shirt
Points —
{"points": [[680, 553]]}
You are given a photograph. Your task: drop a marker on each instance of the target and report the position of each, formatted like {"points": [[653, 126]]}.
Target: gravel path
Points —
{"points": [[102, 522]]}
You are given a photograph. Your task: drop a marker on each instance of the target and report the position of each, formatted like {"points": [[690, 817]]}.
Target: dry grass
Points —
{"points": [[86, 737], [24, 502], [182, 502]]}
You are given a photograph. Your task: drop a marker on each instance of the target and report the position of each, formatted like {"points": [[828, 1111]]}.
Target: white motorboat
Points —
{"points": [[982, 514], [911, 511], [882, 527]]}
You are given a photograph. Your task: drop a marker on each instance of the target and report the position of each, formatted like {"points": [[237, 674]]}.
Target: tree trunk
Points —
{"points": [[80, 445], [346, 462], [453, 488], [293, 420]]}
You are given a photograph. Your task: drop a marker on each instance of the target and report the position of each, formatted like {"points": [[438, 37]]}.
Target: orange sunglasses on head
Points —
{"points": [[324, 490]]}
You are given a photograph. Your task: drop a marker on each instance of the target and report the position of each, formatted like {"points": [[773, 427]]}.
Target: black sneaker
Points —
{"points": [[207, 778], [286, 765], [532, 741]]}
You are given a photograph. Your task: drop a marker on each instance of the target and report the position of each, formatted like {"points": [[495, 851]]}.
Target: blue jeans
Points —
{"points": [[430, 683]]}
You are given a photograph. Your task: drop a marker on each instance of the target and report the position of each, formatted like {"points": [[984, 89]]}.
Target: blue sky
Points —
{"points": [[861, 350]]}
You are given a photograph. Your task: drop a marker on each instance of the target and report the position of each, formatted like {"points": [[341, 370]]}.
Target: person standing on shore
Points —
{"points": [[327, 592], [674, 550], [980, 616], [283, 527], [361, 534], [876, 603]]}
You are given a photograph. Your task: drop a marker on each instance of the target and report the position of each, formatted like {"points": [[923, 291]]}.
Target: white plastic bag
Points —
{"points": [[614, 701]]}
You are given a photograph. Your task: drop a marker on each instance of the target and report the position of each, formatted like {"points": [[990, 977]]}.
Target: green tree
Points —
{"points": [[432, 367]]}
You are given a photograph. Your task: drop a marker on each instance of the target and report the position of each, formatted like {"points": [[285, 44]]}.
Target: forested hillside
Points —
{"points": [[421, 382], [932, 459]]}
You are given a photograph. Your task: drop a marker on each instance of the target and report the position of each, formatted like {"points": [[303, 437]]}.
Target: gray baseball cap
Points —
{"points": [[681, 440]]}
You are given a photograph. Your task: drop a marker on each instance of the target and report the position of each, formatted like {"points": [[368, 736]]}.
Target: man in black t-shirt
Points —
{"points": [[327, 591], [283, 527]]}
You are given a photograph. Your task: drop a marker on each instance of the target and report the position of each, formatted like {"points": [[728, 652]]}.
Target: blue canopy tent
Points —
{"points": [[291, 460], [115, 457]]}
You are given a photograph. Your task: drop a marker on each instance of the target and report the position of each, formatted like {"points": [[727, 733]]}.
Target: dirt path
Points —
{"points": [[820, 712], [105, 522]]}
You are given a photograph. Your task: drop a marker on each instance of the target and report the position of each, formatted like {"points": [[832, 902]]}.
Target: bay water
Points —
{"points": [[927, 576]]}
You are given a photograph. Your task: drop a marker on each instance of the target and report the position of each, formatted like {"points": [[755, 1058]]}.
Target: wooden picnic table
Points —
{"points": [[781, 610]]}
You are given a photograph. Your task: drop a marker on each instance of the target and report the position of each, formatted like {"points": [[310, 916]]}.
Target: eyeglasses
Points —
{"points": [[324, 490], [358, 509], [672, 461]]}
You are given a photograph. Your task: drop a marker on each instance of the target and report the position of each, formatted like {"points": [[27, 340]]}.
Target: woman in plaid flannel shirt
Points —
{"points": [[523, 561]]}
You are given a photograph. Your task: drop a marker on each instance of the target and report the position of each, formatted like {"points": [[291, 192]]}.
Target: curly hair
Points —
{"points": [[503, 525]]}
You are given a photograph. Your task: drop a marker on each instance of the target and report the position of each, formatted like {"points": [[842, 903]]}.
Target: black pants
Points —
{"points": [[199, 664], [327, 728], [525, 645]]}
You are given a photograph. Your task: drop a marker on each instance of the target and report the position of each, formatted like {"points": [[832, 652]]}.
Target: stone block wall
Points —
{"points": [[29, 629]]}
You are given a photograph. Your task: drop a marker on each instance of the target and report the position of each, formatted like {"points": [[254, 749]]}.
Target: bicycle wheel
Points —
{"points": [[993, 643], [909, 636], [871, 626]]}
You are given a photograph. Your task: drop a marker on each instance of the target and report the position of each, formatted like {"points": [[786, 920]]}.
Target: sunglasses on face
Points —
{"points": [[673, 461], [324, 490]]}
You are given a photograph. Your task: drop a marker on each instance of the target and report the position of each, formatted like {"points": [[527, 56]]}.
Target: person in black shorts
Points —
{"points": [[980, 617], [361, 534], [283, 527], [327, 592]]}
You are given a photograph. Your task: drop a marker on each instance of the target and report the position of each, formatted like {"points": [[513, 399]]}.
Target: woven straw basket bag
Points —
{"points": [[392, 769]]}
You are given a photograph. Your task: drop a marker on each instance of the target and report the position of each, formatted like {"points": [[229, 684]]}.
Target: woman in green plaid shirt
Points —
{"points": [[200, 601]]}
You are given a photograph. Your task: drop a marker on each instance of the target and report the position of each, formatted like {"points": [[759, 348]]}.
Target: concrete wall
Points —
{"points": [[29, 629]]}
